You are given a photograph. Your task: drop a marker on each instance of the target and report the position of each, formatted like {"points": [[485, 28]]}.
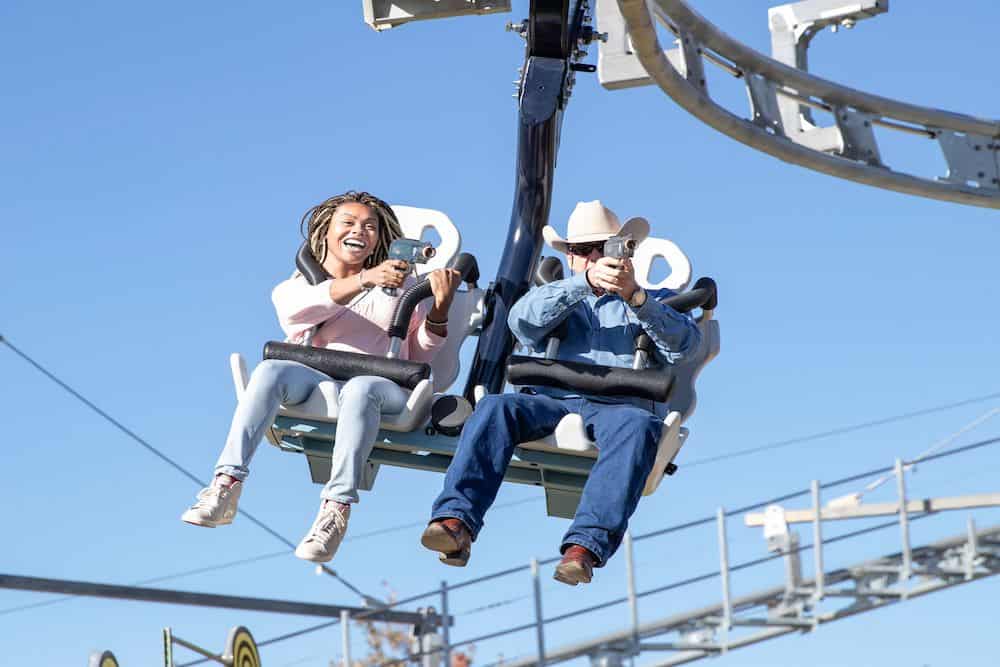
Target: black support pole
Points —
{"points": [[539, 120]]}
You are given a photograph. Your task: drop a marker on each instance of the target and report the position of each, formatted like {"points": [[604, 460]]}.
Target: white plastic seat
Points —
{"points": [[464, 318], [570, 437]]}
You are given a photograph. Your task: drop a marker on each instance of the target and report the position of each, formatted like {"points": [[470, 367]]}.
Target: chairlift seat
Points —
{"points": [[464, 317], [569, 439]]}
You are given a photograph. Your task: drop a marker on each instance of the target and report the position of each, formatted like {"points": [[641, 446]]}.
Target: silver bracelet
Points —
{"points": [[361, 282], [436, 323]]}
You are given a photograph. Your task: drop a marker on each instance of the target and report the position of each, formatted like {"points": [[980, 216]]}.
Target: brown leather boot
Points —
{"points": [[576, 566], [451, 539]]}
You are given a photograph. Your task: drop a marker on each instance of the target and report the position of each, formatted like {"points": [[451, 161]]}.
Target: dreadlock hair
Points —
{"points": [[316, 221]]}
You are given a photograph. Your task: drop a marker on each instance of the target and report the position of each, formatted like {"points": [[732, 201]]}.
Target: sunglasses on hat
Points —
{"points": [[584, 249]]}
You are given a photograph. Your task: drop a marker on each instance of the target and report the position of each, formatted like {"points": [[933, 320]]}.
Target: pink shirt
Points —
{"points": [[358, 326]]}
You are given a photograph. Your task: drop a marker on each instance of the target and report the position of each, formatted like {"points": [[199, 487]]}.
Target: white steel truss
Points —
{"points": [[782, 94]]}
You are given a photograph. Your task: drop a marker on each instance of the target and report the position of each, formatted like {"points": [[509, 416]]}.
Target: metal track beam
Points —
{"points": [[970, 145]]}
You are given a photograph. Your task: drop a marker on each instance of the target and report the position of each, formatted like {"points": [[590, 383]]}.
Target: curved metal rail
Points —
{"points": [[970, 145]]}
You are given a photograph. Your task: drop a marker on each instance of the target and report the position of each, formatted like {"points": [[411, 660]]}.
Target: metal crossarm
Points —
{"points": [[93, 589], [781, 96], [861, 511]]}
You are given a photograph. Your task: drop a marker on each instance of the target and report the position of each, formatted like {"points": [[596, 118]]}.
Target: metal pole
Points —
{"points": [[971, 550], [446, 633], [904, 520], [539, 625], [727, 605], [633, 601], [345, 637], [817, 542], [539, 120], [168, 648], [430, 657]]}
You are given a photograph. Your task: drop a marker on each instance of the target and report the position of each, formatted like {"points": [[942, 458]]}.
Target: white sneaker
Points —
{"points": [[326, 533], [216, 505]]}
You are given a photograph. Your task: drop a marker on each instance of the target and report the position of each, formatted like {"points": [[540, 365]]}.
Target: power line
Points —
{"points": [[840, 430], [244, 561], [692, 580], [939, 445], [166, 459], [391, 529], [380, 606]]}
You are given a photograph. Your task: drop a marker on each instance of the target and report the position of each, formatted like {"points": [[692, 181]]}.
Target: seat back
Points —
{"points": [[683, 397], [464, 318], [415, 221], [466, 314], [680, 266], [645, 256]]}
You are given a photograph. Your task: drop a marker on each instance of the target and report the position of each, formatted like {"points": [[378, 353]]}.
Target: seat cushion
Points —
{"points": [[570, 438], [323, 405]]}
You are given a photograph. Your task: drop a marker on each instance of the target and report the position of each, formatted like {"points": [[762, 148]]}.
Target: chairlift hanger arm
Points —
{"points": [[552, 29]]}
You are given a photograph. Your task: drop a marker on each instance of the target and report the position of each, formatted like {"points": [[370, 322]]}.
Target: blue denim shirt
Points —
{"points": [[601, 330]]}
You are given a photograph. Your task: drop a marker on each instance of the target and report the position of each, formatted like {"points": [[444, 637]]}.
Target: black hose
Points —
{"points": [[465, 264]]}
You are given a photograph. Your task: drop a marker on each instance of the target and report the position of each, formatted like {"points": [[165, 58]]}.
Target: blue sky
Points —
{"points": [[156, 160]]}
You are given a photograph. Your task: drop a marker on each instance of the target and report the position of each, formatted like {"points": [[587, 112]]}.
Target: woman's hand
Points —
{"points": [[390, 273], [613, 275], [444, 282]]}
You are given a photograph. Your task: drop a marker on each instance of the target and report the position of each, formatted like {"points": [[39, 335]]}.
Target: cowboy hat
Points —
{"points": [[592, 221]]}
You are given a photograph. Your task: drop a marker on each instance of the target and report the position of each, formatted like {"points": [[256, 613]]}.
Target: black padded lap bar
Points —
{"points": [[591, 378], [702, 295], [346, 365]]}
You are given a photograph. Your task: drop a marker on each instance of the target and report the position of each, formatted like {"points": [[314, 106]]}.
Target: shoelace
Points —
{"points": [[208, 493], [325, 523]]}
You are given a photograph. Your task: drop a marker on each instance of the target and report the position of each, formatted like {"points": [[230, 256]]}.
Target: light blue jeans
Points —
{"points": [[363, 401]]}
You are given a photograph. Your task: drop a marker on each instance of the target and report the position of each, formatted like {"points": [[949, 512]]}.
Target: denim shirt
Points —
{"points": [[601, 330]]}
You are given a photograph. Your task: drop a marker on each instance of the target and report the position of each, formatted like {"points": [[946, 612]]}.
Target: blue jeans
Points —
{"points": [[626, 437], [363, 401]]}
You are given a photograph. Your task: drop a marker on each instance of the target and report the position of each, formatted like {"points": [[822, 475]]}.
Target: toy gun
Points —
{"points": [[411, 252], [620, 247]]}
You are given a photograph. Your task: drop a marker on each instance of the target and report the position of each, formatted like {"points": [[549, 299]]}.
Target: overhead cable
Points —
{"points": [[841, 430], [169, 461]]}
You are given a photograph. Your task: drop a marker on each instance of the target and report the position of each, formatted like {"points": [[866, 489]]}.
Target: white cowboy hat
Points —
{"points": [[593, 221]]}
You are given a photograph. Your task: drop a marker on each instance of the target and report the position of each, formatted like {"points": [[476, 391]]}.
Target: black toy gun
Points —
{"points": [[410, 251]]}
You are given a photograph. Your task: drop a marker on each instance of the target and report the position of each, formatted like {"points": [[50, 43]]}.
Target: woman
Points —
{"points": [[350, 236]]}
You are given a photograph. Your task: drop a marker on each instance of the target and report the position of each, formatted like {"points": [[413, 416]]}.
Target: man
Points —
{"points": [[604, 310]]}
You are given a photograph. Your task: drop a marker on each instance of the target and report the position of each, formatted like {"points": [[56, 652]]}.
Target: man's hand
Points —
{"points": [[444, 282], [613, 275]]}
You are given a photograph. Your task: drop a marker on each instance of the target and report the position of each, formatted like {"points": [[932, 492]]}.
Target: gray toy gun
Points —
{"points": [[620, 247], [410, 251]]}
